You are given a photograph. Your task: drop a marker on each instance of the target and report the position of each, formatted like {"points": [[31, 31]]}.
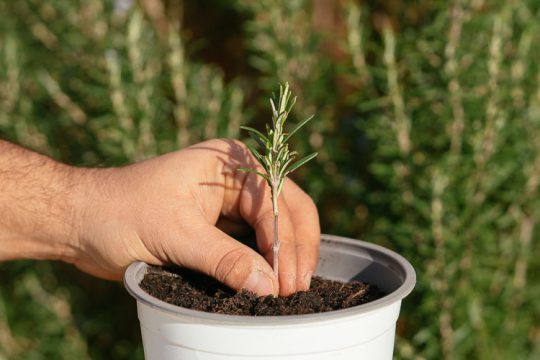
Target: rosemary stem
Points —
{"points": [[276, 158], [275, 245]]}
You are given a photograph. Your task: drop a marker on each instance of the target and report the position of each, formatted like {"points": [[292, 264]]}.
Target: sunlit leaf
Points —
{"points": [[301, 162], [297, 127]]}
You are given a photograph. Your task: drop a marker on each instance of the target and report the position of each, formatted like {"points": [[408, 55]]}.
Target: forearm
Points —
{"points": [[38, 200]]}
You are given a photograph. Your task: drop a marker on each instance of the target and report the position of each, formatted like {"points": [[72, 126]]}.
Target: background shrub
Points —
{"points": [[427, 124]]}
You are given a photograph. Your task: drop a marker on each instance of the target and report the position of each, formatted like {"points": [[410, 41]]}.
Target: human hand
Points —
{"points": [[183, 207]]}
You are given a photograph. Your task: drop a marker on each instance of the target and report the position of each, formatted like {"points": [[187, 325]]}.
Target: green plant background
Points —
{"points": [[427, 125]]}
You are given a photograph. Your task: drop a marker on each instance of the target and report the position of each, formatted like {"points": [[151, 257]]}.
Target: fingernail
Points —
{"points": [[259, 283], [306, 279], [291, 281]]}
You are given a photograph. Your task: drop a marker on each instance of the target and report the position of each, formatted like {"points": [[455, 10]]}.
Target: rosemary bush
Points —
{"points": [[427, 129]]}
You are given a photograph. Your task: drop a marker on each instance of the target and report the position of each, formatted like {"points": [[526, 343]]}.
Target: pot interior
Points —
{"points": [[347, 260]]}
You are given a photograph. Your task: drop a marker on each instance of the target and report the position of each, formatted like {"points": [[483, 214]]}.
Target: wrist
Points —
{"points": [[38, 203], [72, 204], [74, 193], [87, 195], [52, 227]]}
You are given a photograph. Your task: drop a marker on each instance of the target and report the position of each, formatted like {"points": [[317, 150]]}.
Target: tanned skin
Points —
{"points": [[179, 208]]}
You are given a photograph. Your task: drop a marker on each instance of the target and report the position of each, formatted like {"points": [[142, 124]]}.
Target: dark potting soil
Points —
{"points": [[196, 291]]}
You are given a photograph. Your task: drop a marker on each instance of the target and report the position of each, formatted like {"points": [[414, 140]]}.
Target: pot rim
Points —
{"points": [[132, 285]]}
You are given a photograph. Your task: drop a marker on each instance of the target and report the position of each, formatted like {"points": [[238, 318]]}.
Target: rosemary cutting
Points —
{"points": [[275, 157]]}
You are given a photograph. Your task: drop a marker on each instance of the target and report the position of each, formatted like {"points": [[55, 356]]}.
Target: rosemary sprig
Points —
{"points": [[276, 158]]}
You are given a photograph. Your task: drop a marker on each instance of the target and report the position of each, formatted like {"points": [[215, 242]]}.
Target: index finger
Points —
{"points": [[305, 220]]}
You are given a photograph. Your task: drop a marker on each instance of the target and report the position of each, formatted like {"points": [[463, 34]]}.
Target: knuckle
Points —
{"points": [[233, 263], [264, 216]]}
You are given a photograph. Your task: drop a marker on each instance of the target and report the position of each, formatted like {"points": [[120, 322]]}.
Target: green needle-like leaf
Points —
{"points": [[301, 162], [297, 127], [264, 176], [257, 133], [255, 153]]}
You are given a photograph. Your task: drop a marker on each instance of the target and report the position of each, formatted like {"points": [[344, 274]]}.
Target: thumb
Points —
{"points": [[216, 254]]}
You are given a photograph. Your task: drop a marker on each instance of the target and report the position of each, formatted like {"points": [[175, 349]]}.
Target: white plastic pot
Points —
{"points": [[362, 332]]}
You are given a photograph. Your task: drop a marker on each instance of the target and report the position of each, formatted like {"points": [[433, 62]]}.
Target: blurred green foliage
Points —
{"points": [[427, 125]]}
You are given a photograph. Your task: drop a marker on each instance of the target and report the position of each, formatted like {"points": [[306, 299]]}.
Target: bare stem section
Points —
{"points": [[276, 245]]}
